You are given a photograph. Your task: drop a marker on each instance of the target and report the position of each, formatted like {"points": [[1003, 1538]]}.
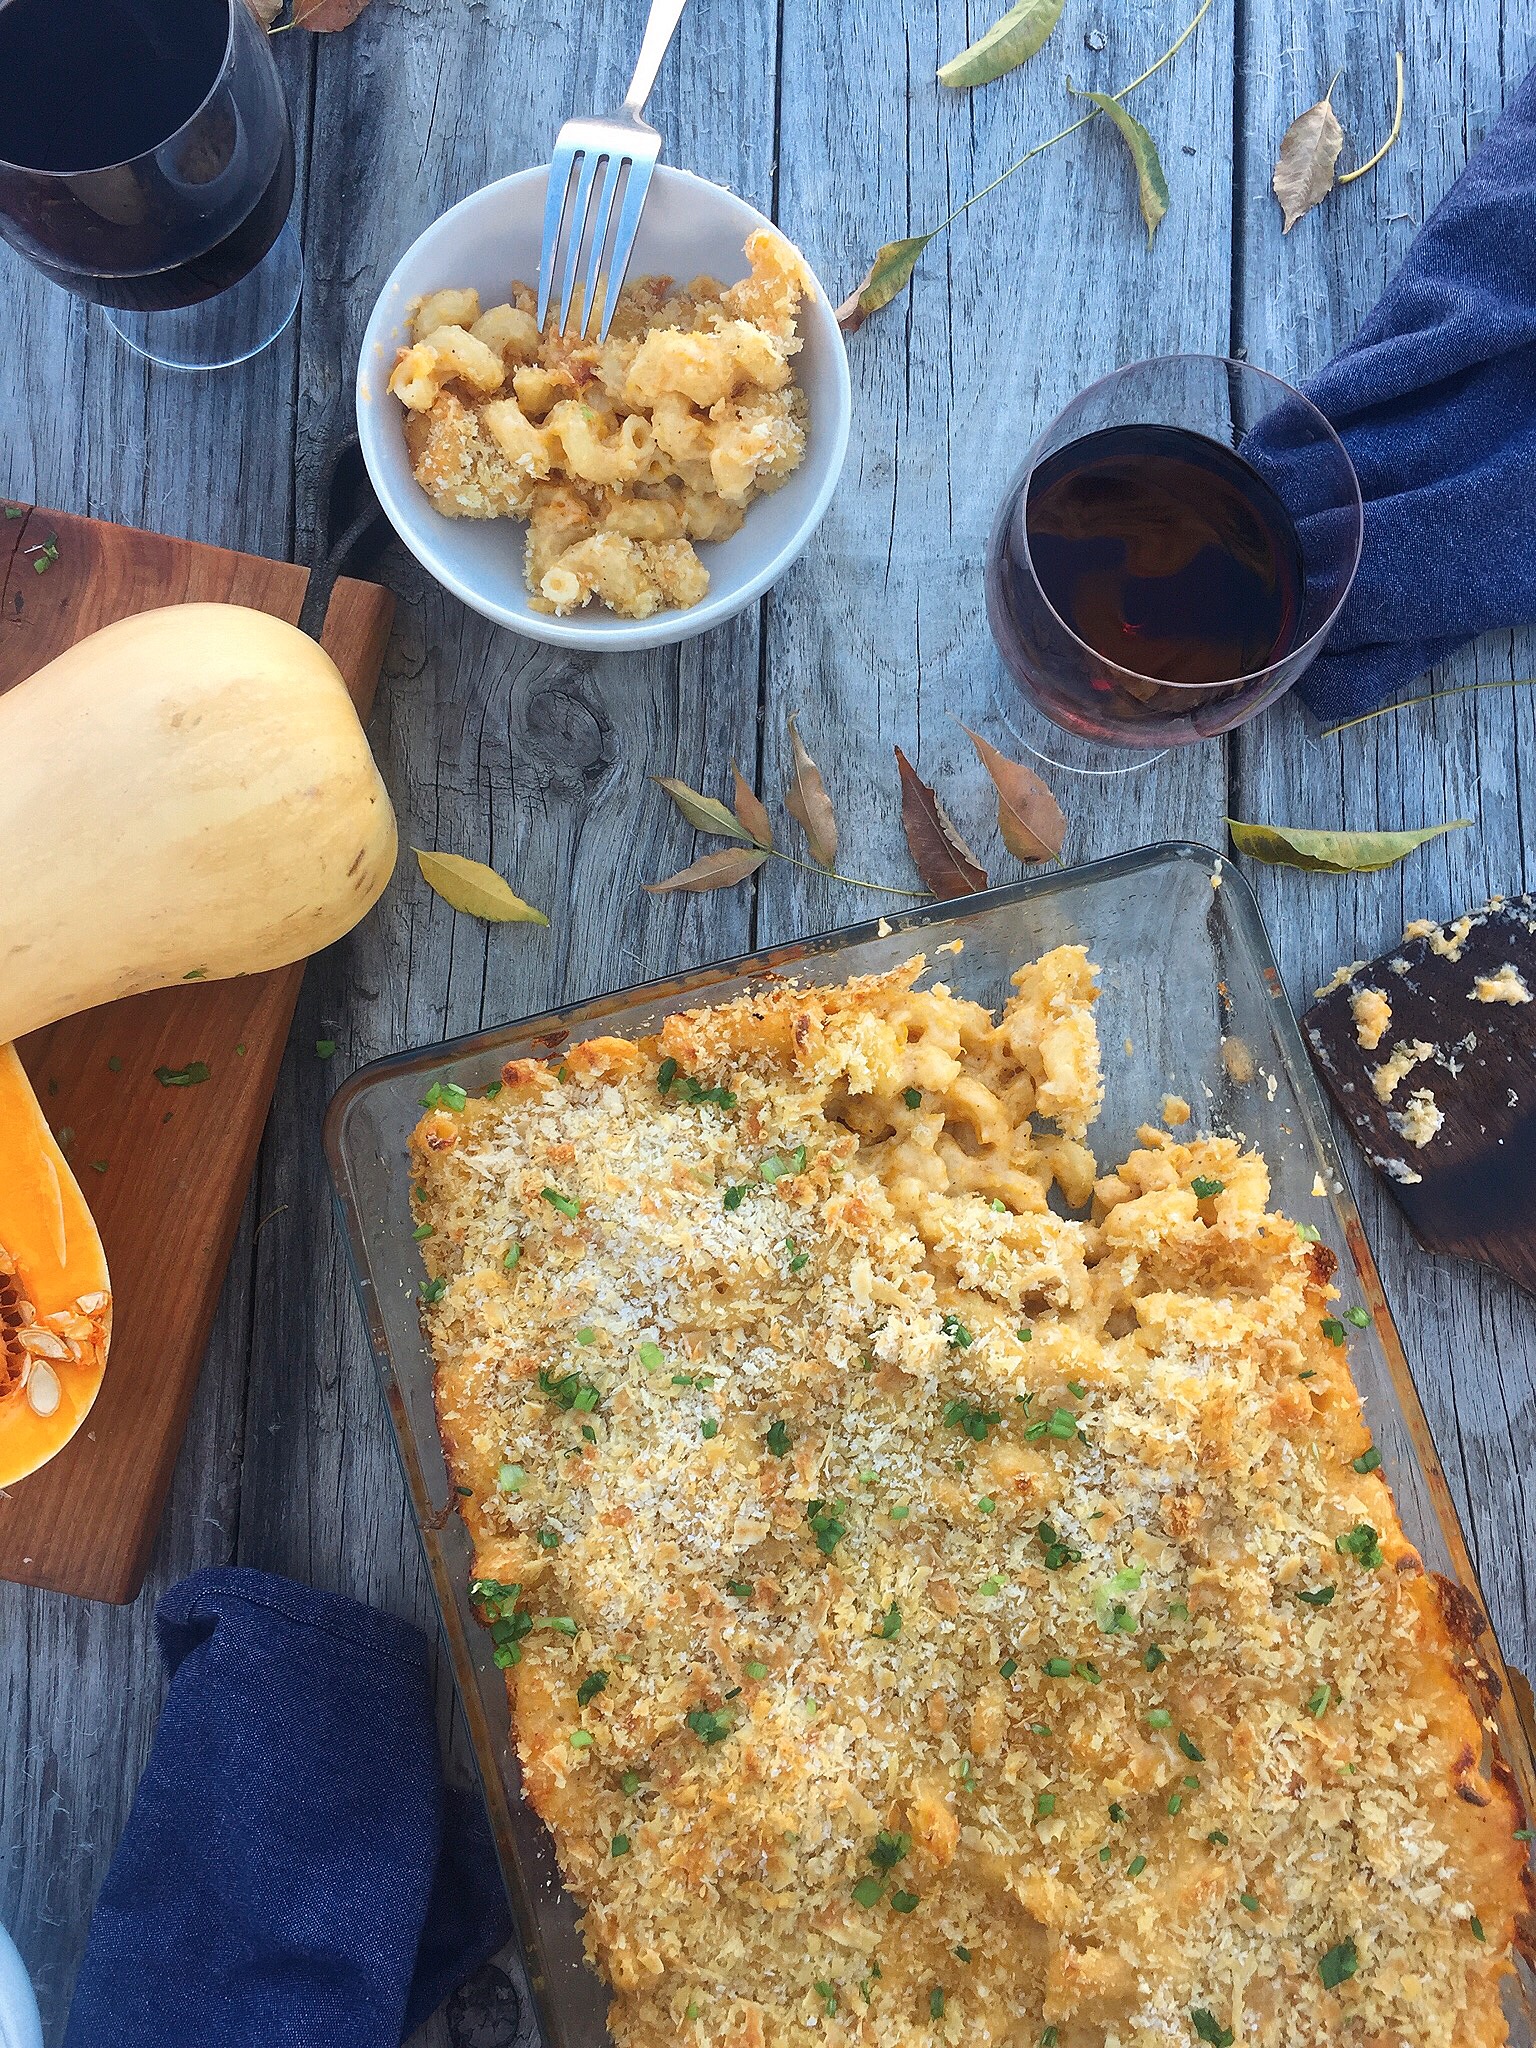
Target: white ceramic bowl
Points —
{"points": [[689, 226]]}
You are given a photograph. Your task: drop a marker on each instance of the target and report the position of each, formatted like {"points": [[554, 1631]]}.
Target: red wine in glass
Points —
{"points": [[1151, 580], [146, 157], [1167, 553]]}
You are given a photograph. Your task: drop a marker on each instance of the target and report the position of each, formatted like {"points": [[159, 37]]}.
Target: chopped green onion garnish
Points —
{"points": [[1159, 1718], [903, 1902], [1247, 1900], [514, 1252], [779, 1440], [912, 1097], [652, 1357], [1361, 1543], [1367, 1461], [619, 1846], [709, 1428], [1332, 1329], [1321, 1596], [936, 2002], [1136, 1866], [1195, 1755], [1209, 2028], [1008, 1667], [433, 1290], [1218, 1838], [566, 1205], [422, 1232], [548, 1539], [1320, 1701], [868, 1892], [1057, 1667], [890, 1625], [1476, 1926], [986, 1505], [1152, 1657], [589, 1688], [1360, 1317], [1203, 1187], [755, 1670], [741, 1588], [509, 1478], [1340, 1962], [581, 1738], [1045, 1805], [899, 1512]]}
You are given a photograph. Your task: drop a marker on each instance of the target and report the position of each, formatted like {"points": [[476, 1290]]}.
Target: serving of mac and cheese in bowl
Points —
{"points": [[612, 495]]}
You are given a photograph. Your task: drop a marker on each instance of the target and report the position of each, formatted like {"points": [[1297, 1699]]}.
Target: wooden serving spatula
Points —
{"points": [[1454, 1068]]}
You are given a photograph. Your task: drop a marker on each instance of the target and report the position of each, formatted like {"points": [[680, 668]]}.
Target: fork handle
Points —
{"points": [[660, 27]]}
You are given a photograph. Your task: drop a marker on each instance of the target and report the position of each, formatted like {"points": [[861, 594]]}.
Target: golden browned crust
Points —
{"points": [[930, 1616]]}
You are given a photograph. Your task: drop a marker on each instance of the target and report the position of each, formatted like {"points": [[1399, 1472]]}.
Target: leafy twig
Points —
{"points": [[1348, 177], [1430, 697], [894, 264]]}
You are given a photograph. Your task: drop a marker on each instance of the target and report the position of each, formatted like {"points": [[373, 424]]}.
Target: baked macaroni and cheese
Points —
{"points": [[619, 457], [928, 1616]]}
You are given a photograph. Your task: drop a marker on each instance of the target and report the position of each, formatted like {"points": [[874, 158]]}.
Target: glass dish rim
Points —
{"points": [[1513, 1740], [1018, 486]]}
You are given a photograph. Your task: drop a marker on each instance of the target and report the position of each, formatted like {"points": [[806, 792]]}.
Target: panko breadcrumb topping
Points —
{"points": [[947, 1595]]}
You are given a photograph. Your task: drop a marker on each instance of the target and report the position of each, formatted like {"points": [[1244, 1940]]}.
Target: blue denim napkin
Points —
{"points": [[1435, 399], [293, 1872]]}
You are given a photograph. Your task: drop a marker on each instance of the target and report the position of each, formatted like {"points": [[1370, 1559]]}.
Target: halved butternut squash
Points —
{"points": [[55, 1294]]}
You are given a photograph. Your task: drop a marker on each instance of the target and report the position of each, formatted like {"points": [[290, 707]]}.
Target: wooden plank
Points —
{"points": [[1469, 1336], [491, 746], [879, 636]]}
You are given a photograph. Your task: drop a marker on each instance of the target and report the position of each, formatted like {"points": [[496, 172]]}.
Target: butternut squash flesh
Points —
{"points": [[55, 1293]]}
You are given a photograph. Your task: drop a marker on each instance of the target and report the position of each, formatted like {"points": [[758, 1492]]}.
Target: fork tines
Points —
{"points": [[625, 156]]}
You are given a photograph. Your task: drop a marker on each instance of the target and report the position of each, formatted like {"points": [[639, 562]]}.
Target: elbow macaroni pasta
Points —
{"points": [[618, 457], [947, 1594]]}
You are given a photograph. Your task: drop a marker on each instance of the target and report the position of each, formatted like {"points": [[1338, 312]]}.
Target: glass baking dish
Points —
{"points": [[1192, 1005]]}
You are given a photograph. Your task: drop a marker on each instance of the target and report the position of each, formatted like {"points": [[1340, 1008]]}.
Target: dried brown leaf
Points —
{"points": [[715, 871], [1309, 149], [808, 803], [943, 859], [266, 11], [326, 16], [1028, 816], [750, 810]]}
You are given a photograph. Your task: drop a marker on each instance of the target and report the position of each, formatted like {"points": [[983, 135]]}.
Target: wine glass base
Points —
{"points": [[228, 329], [1054, 747]]}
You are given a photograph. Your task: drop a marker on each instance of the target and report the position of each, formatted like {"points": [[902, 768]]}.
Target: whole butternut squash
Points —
{"points": [[186, 794]]}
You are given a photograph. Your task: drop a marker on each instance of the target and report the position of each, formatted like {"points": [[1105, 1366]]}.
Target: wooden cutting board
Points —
{"points": [[1470, 1186], [164, 1168]]}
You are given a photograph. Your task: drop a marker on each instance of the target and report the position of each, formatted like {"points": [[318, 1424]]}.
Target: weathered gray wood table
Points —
{"points": [[494, 747]]}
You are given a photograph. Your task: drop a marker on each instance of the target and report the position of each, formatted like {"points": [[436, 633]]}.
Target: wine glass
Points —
{"points": [[1172, 554], [146, 164]]}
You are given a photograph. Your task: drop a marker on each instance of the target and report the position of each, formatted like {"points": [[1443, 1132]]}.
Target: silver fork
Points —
{"points": [[624, 143]]}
